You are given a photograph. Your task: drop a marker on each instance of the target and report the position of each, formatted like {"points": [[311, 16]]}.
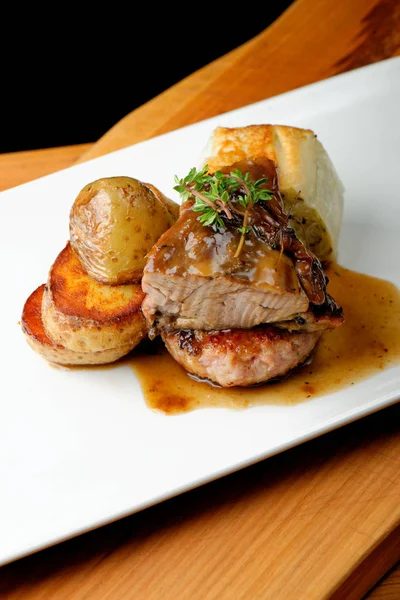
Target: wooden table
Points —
{"points": [[319, 521]]}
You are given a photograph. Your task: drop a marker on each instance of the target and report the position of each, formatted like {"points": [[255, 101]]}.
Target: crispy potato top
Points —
{"points": [[75, 293]]}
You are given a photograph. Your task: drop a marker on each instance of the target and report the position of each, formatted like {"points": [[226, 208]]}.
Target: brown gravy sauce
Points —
{"points": [[368, 342]]}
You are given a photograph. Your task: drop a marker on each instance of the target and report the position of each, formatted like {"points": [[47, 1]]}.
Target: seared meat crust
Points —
{"points": [[240, 357]]}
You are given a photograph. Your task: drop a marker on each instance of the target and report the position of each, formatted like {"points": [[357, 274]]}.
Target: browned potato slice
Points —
{"points": [[84, 315], [39, 341], [114, 222]]}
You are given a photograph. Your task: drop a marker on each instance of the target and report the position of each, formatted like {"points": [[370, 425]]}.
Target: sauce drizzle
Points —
{"points": [[367, 343]]}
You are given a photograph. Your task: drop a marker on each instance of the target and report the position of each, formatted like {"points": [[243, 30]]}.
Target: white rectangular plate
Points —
{"points": [[79, 449]]}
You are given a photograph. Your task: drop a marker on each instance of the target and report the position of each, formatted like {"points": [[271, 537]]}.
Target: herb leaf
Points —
{"points": [[216, 197]]}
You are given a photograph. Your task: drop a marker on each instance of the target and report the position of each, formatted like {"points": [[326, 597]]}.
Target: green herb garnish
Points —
{"points": [[220, 196]]}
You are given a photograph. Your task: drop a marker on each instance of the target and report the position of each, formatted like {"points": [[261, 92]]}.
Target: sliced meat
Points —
{"points": [[240, 357], [193, 280]]}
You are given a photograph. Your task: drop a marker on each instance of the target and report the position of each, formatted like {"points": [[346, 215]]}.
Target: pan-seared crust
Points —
{"points": [[308, 179], [86, 316], [39, 341], [239, 357]]}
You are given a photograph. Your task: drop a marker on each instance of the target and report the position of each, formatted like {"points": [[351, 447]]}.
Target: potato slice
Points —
{"points": [[84, 315], [39, 341]]}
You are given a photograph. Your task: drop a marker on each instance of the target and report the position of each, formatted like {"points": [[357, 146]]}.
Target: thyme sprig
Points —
{"points": [[222, 195]]}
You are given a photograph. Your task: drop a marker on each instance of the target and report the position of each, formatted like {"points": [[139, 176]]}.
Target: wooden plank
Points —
{"points": [[20, 167], [315, 521], [388, 588], [309, 42]]}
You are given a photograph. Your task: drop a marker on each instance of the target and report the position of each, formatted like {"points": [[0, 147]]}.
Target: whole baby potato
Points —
{"points": [[113, 224], [170, 205]]}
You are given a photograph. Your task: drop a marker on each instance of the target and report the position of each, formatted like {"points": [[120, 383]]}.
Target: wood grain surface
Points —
{"points": [[20, 167], [311, 41], [319, 521]]}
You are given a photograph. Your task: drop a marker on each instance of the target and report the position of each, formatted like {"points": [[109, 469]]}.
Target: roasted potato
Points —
{"points": [[114, 222], [86, 316], [39, 341], [170, 205]]}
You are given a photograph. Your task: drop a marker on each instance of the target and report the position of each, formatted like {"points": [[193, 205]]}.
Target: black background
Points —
{"points": [[69, 77]]}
